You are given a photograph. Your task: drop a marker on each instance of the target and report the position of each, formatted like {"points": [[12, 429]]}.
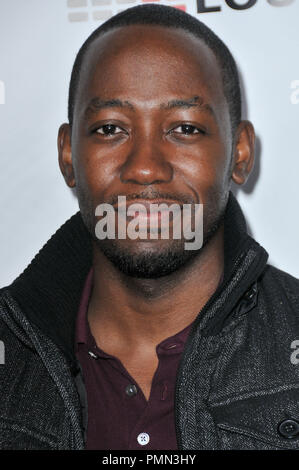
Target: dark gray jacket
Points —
{"points": [[238, 381]]}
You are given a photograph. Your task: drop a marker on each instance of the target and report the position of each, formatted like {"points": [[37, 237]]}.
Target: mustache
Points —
{"points": [[153, 194]]}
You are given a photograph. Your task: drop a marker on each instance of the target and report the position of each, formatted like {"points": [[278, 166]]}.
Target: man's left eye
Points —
{"points": [[188, 129], [108, 129]]}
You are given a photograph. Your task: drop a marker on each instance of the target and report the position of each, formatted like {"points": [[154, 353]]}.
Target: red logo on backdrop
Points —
{"points": [[103, 12], [100, 11], [180, 7]]}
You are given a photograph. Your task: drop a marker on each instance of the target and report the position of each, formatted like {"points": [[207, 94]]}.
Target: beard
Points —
{"points": [[149, 263], [138, 259]]}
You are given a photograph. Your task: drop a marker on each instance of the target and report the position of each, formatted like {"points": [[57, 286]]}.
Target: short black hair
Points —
{"points": [[170, 17]]}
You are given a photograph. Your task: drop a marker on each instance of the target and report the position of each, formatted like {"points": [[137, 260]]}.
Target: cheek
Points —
{"points": [[94, 171], [207, 168]]}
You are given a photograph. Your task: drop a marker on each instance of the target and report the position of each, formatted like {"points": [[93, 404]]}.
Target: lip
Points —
{"points": [[154, 217], [147, 203]]}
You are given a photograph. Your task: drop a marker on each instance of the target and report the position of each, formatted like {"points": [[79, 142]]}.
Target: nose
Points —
{"points": [[146, 164]]}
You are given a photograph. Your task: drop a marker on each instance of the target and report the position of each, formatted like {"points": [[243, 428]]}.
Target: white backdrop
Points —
{"points": [[39, 40]]}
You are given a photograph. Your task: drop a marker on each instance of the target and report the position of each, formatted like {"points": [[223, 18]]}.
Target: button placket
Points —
{"points": [[164, 391]]}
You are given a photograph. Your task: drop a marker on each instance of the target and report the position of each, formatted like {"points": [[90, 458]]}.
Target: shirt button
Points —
{"points": [[289, 428], [143, 438], [93, 355], [131, 390]]}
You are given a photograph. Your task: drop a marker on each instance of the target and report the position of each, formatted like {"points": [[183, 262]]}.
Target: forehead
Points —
{"points": [[150, 60]]}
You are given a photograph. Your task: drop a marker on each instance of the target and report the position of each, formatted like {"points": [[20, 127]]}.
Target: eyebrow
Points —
{"points": [[195, 101], [97, 103]]}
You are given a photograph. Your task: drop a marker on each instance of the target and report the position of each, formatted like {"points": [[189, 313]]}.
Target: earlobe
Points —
{"points": [[244, 152], [65, 155]]}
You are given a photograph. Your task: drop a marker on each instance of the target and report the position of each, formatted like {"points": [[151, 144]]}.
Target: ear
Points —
{"points": [[244, 152], [65, 154]]}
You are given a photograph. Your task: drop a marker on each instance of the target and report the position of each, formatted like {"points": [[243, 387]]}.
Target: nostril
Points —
{"points": [[146, 172]]}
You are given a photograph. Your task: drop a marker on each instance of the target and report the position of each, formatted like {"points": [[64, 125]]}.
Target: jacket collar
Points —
{"points": [[49, 290]]}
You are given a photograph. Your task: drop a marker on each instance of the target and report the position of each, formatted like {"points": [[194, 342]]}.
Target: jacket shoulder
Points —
{"points": [[280, 291], [289, 283]]}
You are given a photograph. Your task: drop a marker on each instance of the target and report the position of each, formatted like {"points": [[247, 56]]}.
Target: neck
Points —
{"points": [[125, 310]]}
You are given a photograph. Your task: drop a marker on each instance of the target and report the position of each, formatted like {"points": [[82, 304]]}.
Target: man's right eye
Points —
{"points": [[109, 129]]}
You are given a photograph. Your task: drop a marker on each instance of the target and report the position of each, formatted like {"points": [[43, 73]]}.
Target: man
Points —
{"points": [[140, 343]]}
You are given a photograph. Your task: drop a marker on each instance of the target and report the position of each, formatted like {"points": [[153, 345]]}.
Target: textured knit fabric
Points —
{"points": [[115, 417], [237, 385]]}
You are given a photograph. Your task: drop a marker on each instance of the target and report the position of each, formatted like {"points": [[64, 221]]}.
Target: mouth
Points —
{"points": [[147, 219], [150, 212], [147, 203]]}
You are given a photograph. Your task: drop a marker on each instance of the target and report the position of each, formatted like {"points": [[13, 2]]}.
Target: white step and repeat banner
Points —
{"points": [[39, 41]]}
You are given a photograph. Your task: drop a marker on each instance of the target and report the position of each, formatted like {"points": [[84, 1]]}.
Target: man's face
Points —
{"points": [[151, 123]]}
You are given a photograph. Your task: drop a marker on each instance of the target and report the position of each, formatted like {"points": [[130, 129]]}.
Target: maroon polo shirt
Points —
{"points": [[119, 416]]}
